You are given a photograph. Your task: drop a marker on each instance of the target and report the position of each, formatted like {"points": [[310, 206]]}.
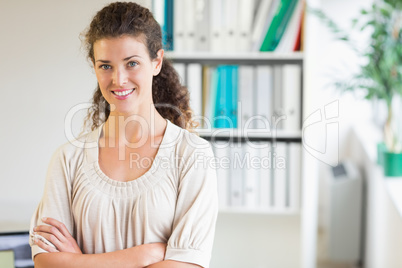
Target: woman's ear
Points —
{"points": [[157, 63]]}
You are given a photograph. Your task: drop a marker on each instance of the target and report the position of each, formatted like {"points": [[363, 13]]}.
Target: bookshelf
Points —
{"points": [[252, 235], [240, 135], [236, 58], [250, 211], [251, 135], [242, 218]]}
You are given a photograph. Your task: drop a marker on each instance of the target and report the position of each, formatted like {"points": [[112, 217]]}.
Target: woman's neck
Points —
{"points": [[133, 129]]}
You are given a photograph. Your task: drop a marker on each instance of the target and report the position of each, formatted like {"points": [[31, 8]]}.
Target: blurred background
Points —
{"points": [[336, 203]]}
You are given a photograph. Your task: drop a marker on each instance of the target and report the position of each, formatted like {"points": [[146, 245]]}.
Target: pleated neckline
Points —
{"points": [[146, 181]]}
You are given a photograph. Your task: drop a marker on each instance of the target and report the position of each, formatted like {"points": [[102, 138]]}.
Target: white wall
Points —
{"points": [[335, 59], [43, 73]]}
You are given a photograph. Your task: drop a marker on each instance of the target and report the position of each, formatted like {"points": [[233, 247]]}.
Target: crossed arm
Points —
{"points": [[67, 254]]}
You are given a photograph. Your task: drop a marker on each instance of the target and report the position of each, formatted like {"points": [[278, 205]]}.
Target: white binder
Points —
{"points": [[181, 71], [236, 176], [251, 176], [179, 26], [202, 20], [265, 176], [294, 175], [264, 90], [231, 31], [278, 111], [291, 91], [194, 83], [159, 11], [245, 23], [280, 164], [246, 96], [222, 153], [216, 23], [189, 25]]}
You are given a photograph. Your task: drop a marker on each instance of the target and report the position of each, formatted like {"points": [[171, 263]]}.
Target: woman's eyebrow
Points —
{"points": [[125, 59], [104, 61], [131, 57]]}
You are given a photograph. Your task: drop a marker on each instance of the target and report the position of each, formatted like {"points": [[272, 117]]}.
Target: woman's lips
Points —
{"points": [[122, 94]]}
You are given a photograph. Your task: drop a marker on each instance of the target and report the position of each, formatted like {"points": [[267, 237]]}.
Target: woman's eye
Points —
{"points": [[132, 64], [105, 67]]}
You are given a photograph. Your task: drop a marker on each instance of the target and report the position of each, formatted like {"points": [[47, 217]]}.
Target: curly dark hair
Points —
{"points": [[170, 98]]}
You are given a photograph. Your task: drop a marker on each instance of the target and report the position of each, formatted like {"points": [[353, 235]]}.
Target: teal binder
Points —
{"points": [[168, 25], [226, 97]]}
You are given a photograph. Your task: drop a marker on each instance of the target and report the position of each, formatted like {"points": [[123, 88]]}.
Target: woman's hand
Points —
{"points": [[56, 233]]}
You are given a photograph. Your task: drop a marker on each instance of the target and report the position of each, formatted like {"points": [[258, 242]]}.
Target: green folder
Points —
{"points": [[7, 259], [278, 24]]}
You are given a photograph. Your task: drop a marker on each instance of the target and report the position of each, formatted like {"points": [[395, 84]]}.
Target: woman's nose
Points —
{"points": [[120, 77]]}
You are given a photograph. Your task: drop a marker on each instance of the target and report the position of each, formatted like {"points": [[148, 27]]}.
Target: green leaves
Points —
{"points": [[381, 75]]}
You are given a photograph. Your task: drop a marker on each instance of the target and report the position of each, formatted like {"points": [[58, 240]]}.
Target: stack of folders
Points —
{"points": [[244, 96], [230, 25], [263, 176]]}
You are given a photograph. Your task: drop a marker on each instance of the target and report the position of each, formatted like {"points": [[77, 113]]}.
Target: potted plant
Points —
{"points": [[381, 74]]}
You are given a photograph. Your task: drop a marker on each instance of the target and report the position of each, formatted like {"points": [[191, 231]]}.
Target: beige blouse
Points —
{"points": [[174, 202]]}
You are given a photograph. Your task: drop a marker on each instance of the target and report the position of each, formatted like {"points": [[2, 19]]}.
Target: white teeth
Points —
{"points": [[123, 93]]}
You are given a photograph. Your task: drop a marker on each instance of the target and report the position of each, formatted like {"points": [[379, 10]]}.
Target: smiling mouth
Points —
{"points": [[123, 93]]}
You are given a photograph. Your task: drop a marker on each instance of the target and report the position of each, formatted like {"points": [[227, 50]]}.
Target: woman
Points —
{"points": [[140, 190]]}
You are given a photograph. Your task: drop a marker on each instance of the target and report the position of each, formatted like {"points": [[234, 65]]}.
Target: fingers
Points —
{"points": [[51, 238], [50, 230], [51, 233], [59, 225], [57, 234], [54, 232], [44, 245]]}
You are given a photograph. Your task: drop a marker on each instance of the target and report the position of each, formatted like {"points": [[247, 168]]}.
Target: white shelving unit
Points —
{"points": [[236, 58], [258, 237], [257, 211], [252, 134]]}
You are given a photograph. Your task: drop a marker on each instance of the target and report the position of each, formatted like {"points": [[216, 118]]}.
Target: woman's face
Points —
{"points": [[124, 72]]}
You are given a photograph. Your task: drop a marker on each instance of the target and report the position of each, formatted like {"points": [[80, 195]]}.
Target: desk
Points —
{"points": [[383, 234]]}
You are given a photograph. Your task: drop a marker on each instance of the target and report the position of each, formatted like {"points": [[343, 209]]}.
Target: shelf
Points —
{"points": [[250, 135], [253, 58], [258, 211]]}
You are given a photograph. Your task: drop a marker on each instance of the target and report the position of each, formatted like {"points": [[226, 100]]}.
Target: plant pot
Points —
{"points": [[392, 164], [381, 149]]}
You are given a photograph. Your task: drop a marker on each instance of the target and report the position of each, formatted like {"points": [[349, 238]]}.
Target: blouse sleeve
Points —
{"points": [[56, 200], [196, 210]]}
